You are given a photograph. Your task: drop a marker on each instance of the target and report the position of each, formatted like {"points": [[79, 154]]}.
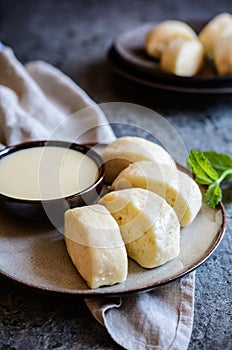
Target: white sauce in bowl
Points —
{"points": [[46, 173]]}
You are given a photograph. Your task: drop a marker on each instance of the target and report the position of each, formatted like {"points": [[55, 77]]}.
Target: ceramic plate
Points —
{"points": [[35, 255], [128, 55]]}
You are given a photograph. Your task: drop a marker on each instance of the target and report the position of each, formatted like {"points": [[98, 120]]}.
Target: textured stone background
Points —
{"points": [[75, 36]]}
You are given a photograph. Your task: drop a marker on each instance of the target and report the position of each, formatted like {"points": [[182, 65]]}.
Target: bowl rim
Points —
{"points": [[83, 148]]}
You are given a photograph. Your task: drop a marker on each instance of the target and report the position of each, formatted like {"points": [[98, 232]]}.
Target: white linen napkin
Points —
{"points": [[37, 99]]}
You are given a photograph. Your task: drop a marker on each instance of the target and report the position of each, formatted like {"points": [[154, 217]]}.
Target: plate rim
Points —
{"points": [[168, 87]]}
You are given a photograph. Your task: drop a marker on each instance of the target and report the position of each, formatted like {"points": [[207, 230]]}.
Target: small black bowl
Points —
{"points": [[52, 209]]}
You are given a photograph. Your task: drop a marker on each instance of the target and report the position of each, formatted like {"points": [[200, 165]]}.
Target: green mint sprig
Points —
{"points": [[210, 168]]}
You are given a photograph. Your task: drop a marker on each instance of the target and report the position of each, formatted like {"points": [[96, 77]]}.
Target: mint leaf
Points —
{"points": [[200, 175], [213, 195], [219, 161], [211, 168], [202, 179], [202, 168]]}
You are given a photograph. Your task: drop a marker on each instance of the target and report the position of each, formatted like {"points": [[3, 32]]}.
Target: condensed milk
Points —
{"points": [[41, 173]]}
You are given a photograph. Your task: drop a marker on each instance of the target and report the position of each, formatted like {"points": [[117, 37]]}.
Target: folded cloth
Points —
{"points": [[160, 319], [36, 101]]}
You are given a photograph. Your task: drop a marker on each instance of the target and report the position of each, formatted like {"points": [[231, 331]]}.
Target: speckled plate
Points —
{"points": [[129, 58], [35, 255]]}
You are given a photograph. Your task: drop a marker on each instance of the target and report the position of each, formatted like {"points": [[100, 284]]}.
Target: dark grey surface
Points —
{"points": [[74, 36]]}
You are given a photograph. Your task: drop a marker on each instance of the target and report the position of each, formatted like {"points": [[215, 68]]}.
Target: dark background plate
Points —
{"points": [[128, 54]]}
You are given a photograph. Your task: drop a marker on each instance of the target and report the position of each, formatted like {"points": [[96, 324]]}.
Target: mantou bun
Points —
{"points": [[125, 150], [163, 33], [183, 57], [178, 188], [148, 224], [219, 27], [222, 53]]}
